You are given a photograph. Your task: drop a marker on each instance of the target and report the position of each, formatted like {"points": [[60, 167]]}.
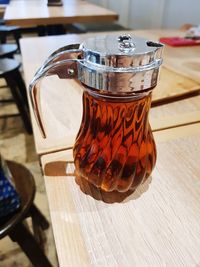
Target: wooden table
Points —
{"points": [[62, 128], [157, 225], [182, 60], [2, 9], [36, 12]]}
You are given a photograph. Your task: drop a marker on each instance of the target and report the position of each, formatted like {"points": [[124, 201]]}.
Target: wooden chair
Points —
{"points": [[9, 70], [5, 31], [16, 32], [14, 226], [8, 50]]}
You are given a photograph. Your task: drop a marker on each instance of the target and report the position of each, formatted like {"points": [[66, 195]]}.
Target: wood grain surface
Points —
{"points": [[182, 60], [157, 225], [36, 12], [61, 99]]}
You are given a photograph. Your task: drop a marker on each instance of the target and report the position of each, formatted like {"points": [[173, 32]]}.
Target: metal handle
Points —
{"points": [[63, 63]]}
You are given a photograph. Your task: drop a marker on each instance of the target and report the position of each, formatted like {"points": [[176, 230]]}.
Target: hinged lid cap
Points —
{"points": [[122, 51]]}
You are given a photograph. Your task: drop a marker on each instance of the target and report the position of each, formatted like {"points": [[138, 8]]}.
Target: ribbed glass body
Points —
{"points": [[115, 149]]}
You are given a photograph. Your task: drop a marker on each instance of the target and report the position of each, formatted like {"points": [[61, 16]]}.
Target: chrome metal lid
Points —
{"points": [[111, 63], [121, 51], [120, 63]]}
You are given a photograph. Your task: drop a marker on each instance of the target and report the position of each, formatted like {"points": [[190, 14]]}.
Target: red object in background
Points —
{"points": [[179, 41]]}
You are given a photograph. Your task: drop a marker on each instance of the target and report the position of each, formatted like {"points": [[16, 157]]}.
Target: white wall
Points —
{"points": [[179, 12], [122, 8], [146, 14], [119, 6]]}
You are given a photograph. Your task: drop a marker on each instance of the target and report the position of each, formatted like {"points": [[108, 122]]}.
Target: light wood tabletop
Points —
{"points": [[157, 225], [62, 99], [36, 12], [183, 60]]}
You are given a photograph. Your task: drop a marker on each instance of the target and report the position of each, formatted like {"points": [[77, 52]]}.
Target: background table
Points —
{"points": [[36, 12], [61, 99], [182, 60], [2, 9], [157, 225]]}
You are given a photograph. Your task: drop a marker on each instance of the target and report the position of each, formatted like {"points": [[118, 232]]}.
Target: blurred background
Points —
{"points": [[145, 14]]}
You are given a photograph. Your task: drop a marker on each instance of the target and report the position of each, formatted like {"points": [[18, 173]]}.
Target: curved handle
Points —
{"points": [[64, 63]]}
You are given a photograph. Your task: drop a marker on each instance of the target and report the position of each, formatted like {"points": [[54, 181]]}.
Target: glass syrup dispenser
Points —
{"points": [[114, 148]]}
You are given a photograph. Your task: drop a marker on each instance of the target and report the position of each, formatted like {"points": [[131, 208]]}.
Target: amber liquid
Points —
{"points": [[114, 148]]}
